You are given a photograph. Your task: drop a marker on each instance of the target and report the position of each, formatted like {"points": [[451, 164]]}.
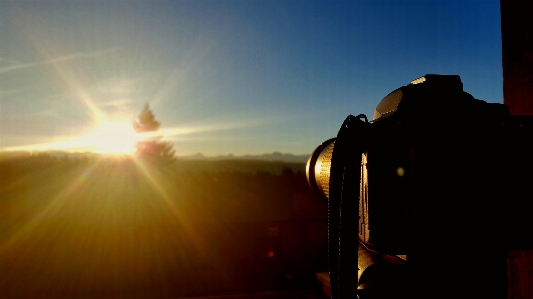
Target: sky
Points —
{"points": [[228, 76]]}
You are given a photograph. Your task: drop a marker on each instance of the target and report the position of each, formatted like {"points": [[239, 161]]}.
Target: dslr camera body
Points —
{"points": [[437, 176]]}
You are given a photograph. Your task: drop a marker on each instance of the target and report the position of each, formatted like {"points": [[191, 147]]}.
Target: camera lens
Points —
{"points": [[318, 168]]}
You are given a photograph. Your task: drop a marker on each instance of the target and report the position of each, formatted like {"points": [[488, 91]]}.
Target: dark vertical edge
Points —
{"points": [[517, 58]]}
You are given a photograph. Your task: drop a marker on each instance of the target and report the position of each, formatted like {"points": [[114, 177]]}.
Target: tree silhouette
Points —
{"points": [[151, 147]]}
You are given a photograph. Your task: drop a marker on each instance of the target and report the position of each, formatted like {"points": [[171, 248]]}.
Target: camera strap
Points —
{"points": [[343, 206]]}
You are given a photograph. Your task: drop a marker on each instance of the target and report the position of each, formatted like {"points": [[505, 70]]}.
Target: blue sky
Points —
{"points": [[239, 77]]}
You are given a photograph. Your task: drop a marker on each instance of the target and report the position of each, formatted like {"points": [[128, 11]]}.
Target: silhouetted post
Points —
{"points": [[517, 52], [517, 60]]}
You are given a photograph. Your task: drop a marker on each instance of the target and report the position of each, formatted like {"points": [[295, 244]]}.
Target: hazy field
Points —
{"points": [[121, 228]]}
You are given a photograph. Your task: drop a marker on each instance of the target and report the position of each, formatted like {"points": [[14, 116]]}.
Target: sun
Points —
{"points": [[113, 138]]}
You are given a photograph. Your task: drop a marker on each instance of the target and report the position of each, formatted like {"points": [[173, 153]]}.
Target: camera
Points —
{"points": [[437, 172]]}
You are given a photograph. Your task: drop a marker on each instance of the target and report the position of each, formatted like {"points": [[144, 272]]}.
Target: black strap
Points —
{"points": [[343, 206]]}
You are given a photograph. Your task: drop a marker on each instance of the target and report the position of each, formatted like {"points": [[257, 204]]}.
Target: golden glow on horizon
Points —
{"points": [[119, 137], [108, 138]]}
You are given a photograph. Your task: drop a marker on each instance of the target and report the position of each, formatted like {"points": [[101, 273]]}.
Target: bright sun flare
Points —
{"points": [[113, 138]]}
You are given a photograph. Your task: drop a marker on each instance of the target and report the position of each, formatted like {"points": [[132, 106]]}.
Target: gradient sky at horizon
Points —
{"points": [[231, 77]]}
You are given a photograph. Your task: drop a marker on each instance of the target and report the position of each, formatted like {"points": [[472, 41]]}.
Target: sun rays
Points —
{"points": [[108, 207], [109, 82]]}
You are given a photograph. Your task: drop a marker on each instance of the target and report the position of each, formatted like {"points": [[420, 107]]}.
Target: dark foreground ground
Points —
{"points": [[272, 295], [121, 229]]}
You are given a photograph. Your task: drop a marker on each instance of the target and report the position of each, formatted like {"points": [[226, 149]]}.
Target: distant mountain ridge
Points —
{"points": [[275, 156]]}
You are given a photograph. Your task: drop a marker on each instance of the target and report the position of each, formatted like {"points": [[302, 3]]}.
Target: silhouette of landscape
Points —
{"points": [[89, 226]]}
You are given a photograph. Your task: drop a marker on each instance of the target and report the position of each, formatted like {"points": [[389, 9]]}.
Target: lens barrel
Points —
{"points": [[318, 168]]}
